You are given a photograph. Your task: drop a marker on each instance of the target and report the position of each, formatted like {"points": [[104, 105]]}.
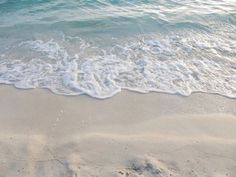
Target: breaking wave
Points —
{"points": [[172, 64]]}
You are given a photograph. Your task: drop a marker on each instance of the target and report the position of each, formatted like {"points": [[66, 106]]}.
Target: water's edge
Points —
{"points": [[101, 47]]}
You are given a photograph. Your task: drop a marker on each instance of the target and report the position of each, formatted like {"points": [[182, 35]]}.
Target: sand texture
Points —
{"points": [[129, 135]]}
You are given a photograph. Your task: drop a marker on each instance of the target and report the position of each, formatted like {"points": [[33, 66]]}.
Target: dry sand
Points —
{"points": [[129, 135]]}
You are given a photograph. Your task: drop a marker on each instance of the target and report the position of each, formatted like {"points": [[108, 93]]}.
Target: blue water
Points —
{"points": [[99, 47]]}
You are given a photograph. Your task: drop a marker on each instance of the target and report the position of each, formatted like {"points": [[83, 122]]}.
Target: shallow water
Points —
{"points": [[99, 47]]}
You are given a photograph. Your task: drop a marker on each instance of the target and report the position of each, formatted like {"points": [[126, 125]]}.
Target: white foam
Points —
{"points": [[179, 65]]}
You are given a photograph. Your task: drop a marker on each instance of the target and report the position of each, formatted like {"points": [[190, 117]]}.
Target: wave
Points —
{"points": [[99, 47], [170, 64]]}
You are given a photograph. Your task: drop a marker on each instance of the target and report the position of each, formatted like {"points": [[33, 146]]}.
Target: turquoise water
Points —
{"points": [[99, 47]]}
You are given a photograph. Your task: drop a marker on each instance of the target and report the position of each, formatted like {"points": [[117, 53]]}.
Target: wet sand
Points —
{"points": [[129, 135]]}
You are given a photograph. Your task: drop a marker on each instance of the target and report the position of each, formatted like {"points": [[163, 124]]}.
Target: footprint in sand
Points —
{"points": [[146, 167], [59, 116]]}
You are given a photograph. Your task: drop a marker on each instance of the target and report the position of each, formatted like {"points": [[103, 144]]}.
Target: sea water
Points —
{"points": [[100, 47]]}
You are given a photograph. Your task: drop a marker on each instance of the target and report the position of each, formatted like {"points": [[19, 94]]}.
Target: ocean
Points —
{"points": [[101, 47]]}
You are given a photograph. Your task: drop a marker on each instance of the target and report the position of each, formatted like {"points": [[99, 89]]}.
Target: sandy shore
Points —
{"points": [[129, 135]]}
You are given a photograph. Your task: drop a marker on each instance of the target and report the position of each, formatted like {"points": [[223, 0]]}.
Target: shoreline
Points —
{"points": [[126, 90], [130, 134]]}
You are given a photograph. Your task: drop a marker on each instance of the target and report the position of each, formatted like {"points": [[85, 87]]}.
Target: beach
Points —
{"points": [[130, 134], [115, 88]]}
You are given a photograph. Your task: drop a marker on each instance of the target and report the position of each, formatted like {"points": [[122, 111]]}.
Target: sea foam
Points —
{"points": [[100, 47], [177, 64]]}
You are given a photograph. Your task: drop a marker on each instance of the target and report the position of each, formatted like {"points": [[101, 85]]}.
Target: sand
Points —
{"points": [[129, 135]]}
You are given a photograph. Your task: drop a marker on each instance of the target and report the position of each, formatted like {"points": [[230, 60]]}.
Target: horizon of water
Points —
{"points": [[99, 47]]}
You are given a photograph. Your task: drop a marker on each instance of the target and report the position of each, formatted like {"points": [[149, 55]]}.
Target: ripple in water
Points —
{"points": [[100, 47]]}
